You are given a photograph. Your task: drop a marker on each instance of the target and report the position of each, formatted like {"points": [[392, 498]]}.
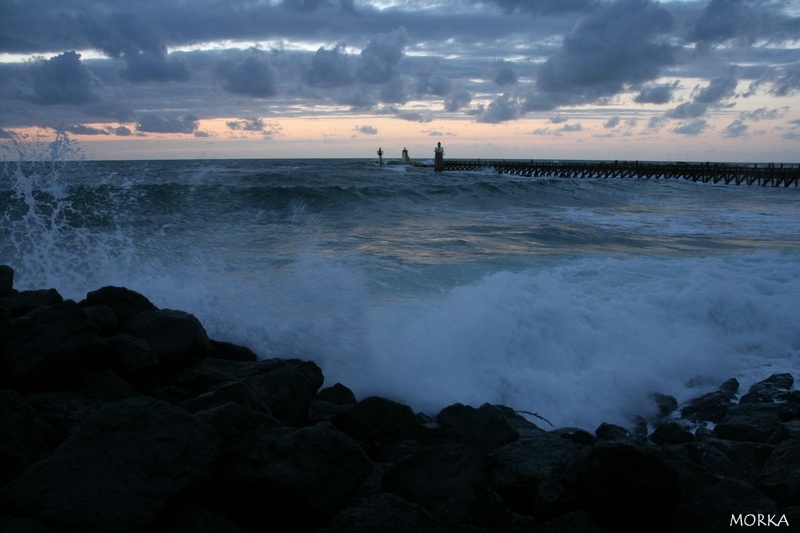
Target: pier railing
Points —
{"points": [[765, 174]]}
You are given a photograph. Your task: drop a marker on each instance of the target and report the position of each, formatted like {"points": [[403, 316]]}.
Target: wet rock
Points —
{"points": [[665, 404], [610, 432], [127, 304], [486, 427], [780, 476], [449, 481], [518, 469], [376, 422], [775, 388], [288, 387], [750, 422], [51, 346], [622, 487], [24, 437], [6, 280], [23, 302], [337, 394], [231, 352], [290, 479], [711, 506], [117, 469], [710, 407], [730, 387], [386, 513], [240, 393], [177, 337], [671, 432]]}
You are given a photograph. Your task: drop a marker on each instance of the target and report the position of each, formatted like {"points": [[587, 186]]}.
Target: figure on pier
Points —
{"points": [[380, 157]]}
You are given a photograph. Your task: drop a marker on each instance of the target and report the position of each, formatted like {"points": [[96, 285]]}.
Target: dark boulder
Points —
{"points": [[750, 422], [385, 513], [665, 404], [671, 432], [710, 407], [780, 476], [24, 437], [337, 394], [240, 393], [51, 347], [712, 506], [621, 487], [449, 481], [23, 302], [486, 427], [231, 352], [378, 424], [287, 386], [518, 469], [289, 479], [127, 304], [118, 469], [730, 387], [6, 280], [176, 336], [775, 388]]}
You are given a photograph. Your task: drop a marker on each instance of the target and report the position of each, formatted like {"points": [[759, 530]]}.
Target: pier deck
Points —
{"points": [[766, 174]]}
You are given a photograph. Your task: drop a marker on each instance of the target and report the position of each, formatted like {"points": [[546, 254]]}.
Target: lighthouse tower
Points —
{"points": [[438, 160]]}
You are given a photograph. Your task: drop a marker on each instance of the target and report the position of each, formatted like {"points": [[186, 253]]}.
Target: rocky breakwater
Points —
{"points": [[119, 416]]}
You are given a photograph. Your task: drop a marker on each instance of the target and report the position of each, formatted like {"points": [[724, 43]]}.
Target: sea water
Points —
{"points": [[572, 298]]}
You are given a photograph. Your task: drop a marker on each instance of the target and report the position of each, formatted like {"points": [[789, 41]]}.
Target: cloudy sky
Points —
{"points": [[587, 79]]}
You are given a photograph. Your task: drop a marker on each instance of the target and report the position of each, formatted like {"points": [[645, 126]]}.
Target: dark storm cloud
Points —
{"points": [[313, 5], [656, 93], [505, 107], [611, 123], [457, 99], [252, 76], [81, 129], [737, 128], [63, 80], [744, 22], [544, 7], [379, 60], [152, 123], [617, 45], [330, 68], [719, 89], [504, 74]]}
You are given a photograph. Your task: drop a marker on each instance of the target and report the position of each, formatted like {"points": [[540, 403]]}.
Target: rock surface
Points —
{"points": [[119, 416]]}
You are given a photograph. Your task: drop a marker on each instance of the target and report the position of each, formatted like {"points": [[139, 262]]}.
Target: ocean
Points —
{"points": [[572, 298]]}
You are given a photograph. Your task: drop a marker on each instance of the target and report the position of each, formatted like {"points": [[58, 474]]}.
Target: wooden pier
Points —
{"points": [[764, 174]]}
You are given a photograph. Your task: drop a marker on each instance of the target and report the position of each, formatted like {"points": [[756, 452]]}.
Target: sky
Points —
{"points": [[692, 80]]}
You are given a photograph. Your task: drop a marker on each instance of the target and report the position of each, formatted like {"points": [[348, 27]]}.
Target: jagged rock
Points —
{"points": [[6, 280], [290, 480], [287, 386], [746, 458], [104, 385], [385, 513], [51, 346], [102, 319], [606, 431], [576, 521], [177, 337], [117, 469], [238, 392], [376, 421], [485, 427], [449, 480], [231, 352], [730, 387], [518, 469], [576, 435], [621, 487], [665, 404], [711, 506], [337, 394], [131, 356], [13, 524], [773, 389], [709, 407], [780, 477], [752, 422], [24, 437], [23, 302], [127, 304], [671, 432]]}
